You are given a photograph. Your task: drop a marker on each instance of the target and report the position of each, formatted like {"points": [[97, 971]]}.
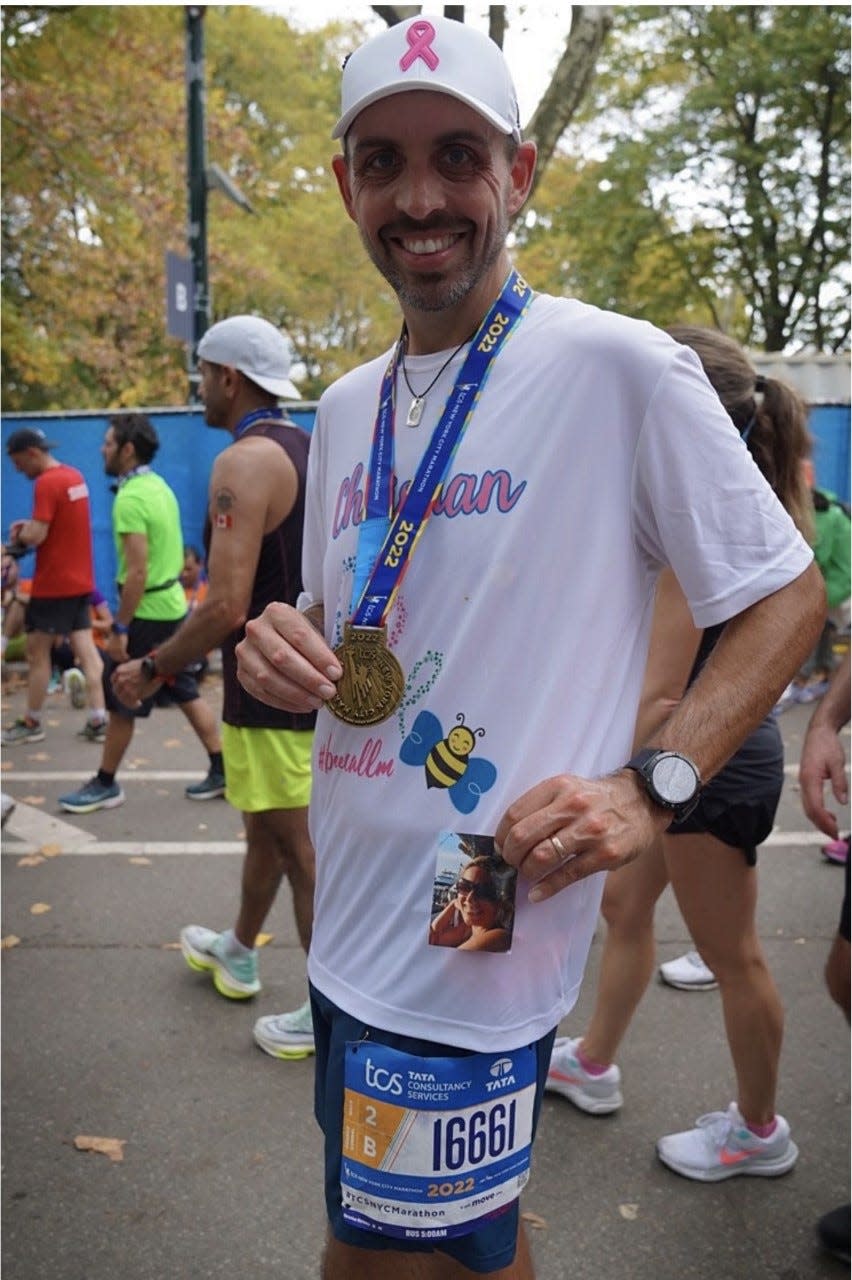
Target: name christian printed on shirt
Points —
{"points": [[465, 494], [369, 762]]}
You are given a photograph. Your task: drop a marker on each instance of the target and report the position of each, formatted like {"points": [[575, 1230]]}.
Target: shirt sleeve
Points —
{"points": [[129, 513], [702, 505], [45, 498]]}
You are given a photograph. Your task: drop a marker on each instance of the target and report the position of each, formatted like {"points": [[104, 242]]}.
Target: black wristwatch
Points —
{"points": [[671, 779], [148, 667]]}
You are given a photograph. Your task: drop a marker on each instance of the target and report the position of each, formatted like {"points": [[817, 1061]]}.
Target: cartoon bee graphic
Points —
{"points": [[449, 762]]}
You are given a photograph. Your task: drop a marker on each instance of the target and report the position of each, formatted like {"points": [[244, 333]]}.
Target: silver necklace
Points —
{"points": [[418, 404]]}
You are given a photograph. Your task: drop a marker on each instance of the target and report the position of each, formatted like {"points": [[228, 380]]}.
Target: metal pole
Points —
{"points": [[197, 185]]}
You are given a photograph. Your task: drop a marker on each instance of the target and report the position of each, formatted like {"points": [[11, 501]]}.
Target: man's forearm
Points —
{"points": [[130, 599], [31, 533], [206, 627], [833, 710], [757, 655]]}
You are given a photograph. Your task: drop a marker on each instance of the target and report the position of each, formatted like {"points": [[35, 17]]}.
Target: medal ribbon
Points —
{"points": [[386, 541], [256, 415]]}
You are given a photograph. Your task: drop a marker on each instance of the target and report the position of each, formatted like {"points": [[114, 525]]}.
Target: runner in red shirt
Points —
{"points": [[60, 530]]}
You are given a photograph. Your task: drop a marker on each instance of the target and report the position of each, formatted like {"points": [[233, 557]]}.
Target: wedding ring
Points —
{"points": [[559, 848]]}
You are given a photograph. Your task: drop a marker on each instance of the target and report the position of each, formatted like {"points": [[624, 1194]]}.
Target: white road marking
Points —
{"points": [[32, 828], [37, 828], [73, 775]]}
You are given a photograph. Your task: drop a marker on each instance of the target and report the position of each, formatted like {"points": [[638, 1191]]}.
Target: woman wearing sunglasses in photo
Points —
{"points": [[479, 915]]}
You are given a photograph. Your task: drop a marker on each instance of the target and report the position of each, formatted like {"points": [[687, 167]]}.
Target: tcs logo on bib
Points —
{"points": [[381, 1080]]}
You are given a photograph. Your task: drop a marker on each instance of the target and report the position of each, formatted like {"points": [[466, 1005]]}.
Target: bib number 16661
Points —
{"points": [[470, 1139]]}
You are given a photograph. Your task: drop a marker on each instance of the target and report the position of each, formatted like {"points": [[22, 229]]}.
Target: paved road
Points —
{"points": [[106, 1033]]}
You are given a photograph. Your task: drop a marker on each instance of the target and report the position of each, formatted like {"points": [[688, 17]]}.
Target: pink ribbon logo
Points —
{"points": [[420, 36]]}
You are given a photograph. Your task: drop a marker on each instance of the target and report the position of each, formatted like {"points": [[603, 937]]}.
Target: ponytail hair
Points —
{"points": [[770, 415]]}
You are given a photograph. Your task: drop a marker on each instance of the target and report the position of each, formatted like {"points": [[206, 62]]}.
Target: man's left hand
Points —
{"points": [[129, 684], [566, 828]]}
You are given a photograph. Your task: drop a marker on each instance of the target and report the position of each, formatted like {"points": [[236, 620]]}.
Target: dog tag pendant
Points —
{"points": [[415, 411]]}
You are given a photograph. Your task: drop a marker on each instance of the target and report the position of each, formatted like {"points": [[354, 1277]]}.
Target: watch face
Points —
{"points": [[673, 778]]}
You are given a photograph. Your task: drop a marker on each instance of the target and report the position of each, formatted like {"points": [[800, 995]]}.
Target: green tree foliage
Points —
{"points": [[89, 177], [94, 193], [718, 190]]}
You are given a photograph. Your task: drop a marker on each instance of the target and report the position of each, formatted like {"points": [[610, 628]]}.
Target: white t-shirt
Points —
{"points": [[597, 453]]}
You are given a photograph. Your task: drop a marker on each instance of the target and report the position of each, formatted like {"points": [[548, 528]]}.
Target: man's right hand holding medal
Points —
{"points": [[285, 661]]}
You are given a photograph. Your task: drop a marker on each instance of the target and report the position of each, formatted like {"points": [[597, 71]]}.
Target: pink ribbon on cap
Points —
{"points": [[420, 36]]}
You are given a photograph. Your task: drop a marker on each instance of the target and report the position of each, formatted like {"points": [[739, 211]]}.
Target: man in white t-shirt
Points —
{"points": [[473, 634]]}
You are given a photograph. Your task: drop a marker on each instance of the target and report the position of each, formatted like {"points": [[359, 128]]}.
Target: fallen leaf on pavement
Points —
{"points": [[33, 800], [171, 946], [629, 1211], [50, 850], [262, 939], [533, 1220], [112, 1147], [30, 860], [11, 940], [172, 743], [39, 908], [41, 756], [140, 862]]}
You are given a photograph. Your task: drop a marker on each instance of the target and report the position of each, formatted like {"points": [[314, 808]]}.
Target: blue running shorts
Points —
{"points": [[490, 1248]]}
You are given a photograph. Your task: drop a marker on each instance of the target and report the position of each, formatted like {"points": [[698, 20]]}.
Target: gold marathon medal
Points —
{"points": [[372, 683]]}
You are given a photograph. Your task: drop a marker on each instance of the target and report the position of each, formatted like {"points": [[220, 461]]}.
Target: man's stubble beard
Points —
{"points": [[438, 293]]}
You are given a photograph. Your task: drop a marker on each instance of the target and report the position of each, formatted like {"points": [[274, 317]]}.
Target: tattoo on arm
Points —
{"points": [[223, 507]]}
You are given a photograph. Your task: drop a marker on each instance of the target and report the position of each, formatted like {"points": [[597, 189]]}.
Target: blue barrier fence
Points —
{"points": [[188, 447], [187, 450]]}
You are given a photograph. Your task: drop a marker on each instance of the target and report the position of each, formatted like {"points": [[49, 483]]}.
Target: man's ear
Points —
{"points": [[522, 174], [230, 380], [341, 173]]}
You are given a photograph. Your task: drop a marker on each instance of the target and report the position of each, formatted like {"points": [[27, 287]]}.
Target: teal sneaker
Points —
{"points": [[234, 976], [23, 730], [209, 788], [94, 795], [287, 1035]]}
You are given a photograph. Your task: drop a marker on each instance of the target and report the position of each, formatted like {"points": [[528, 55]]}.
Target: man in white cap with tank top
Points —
{"points": [[254, 552]]}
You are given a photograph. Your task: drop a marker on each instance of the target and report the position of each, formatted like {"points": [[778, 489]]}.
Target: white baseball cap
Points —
{"points": [[431, 52], [256, 348]]}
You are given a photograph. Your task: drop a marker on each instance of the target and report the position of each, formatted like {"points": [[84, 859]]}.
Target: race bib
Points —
{"points": [[431, 1146]]}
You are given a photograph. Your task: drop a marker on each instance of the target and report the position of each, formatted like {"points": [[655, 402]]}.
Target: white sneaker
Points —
{"points": [[720, 1146], [688, 973], [74, 683], [597, 1095], [235, 976], [287, 1035]]}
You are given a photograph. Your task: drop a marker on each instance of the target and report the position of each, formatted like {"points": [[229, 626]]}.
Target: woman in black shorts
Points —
{"points": [[710, 857]]}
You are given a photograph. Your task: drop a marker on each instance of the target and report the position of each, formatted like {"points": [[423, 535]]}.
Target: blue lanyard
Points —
{"points": [[386, 540], [256, 415]]}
